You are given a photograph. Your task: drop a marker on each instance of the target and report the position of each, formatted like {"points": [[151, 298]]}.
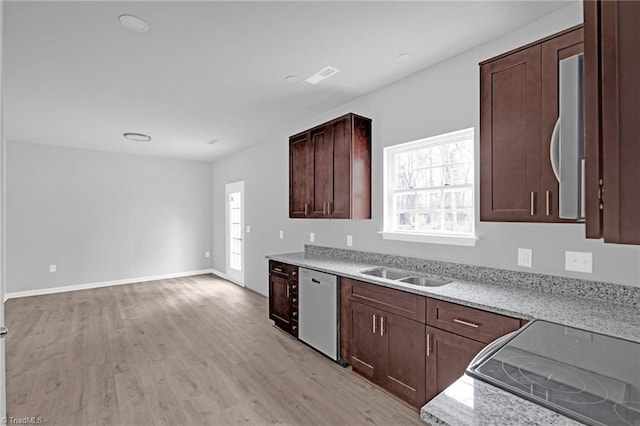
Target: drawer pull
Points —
{"points": [[288, 292], [375, 320], [293, 273], [533, 203], [428, 344], [277, 269], [381, 326], [295, 314], [468, 324], [293, 287]]}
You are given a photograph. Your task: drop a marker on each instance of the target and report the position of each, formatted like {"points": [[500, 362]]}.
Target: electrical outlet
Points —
{"points": [[525, 257], [349, 240], [578, 261], [53, 268], [248, 229], [207, 254], [282, 235], [312, 237]]}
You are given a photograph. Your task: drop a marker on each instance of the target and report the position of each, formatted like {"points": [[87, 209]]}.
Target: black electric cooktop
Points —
{"points": [[587, 376]]}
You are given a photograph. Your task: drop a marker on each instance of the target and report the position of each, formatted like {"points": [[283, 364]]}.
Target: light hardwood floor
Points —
{"points": [[196, 350]]}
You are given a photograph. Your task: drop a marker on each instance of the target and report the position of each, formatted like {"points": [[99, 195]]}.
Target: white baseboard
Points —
{"points": [[52, 290], [226, 277]]}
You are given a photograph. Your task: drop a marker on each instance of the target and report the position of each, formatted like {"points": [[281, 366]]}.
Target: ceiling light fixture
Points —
{"points": [[292, 79], [323, 74], [133, 23], [138, 137]]}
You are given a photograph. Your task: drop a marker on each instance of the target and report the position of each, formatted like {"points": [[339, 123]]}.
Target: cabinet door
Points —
{"points": [[510, 98], [620, 52], [279, 301], [592, 119], [553, 51], [365, 340], [300, 178], [322, 188], [403, 349], [340, 206], [448, 356]]}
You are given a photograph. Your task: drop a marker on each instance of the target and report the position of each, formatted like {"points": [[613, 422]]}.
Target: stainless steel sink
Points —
{"points": [[389, 274], [424, 281], [405, 277]]}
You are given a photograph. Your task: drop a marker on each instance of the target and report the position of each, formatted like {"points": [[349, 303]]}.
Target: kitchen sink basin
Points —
{"points": [[389, 274], [405, 277], [424, 281]]}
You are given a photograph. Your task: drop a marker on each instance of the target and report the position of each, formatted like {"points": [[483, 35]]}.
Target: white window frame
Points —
{"points": [[389, 153]]}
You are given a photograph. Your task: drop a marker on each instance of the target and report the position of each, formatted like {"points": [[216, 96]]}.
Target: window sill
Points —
{"points": [[452, 240]]}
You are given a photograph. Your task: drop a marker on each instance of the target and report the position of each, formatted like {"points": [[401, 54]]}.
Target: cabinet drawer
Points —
{"points": [[283, 270], [397, 302], [473, 323]]}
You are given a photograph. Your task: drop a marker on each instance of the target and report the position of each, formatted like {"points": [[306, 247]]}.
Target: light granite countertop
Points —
{"points": [[472, 402], [601, 317]]}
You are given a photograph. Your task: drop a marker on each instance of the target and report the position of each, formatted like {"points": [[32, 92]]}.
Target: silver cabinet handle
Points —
{"points": [[324, 208], [306, 208], [287, 291], [533, 203], [381, 326], [554, 150], [468, 324], [3, 332], [277, 269], [548, 203], [428, 344], [375, 320]]}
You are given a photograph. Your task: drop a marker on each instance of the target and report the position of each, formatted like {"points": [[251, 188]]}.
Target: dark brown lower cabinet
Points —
{"points": [[283, 296], [280, 305], [447, 358], [388, 350], [403, 359]]}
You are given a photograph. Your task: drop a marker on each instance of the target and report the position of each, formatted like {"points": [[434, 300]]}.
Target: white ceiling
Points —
{"points": [[214, 70]]}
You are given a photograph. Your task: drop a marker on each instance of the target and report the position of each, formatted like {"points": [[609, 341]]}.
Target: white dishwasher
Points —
{"points": [[318, 311]]}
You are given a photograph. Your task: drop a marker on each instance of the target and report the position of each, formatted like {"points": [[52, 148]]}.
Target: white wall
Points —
{"points": [[102, 216], [438, 100]]}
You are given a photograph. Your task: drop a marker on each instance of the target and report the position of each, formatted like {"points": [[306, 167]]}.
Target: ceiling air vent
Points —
{"points": [[323, 74]]}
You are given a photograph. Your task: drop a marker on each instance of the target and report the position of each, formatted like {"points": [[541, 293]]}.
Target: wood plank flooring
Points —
{"points": [[188, 351]]}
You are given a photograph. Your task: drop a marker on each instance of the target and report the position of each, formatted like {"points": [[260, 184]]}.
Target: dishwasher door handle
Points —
{"points": [[313, 280]]}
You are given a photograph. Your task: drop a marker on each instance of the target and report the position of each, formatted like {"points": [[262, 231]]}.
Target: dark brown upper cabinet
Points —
{"points": [[330, 170], [518, 111], [612, 128]]}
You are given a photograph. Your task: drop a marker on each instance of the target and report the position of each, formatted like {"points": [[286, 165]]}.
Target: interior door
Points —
{"points": [[235, 231]]}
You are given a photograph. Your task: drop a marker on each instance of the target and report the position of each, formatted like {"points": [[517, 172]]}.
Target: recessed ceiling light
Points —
{"points": [[138, 137], [211, 141], [323, 74], [133, 23], [405, 56], [292, 79]]}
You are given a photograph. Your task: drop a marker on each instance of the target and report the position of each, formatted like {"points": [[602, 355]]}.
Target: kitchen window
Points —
{"points": [[429, 190]]}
